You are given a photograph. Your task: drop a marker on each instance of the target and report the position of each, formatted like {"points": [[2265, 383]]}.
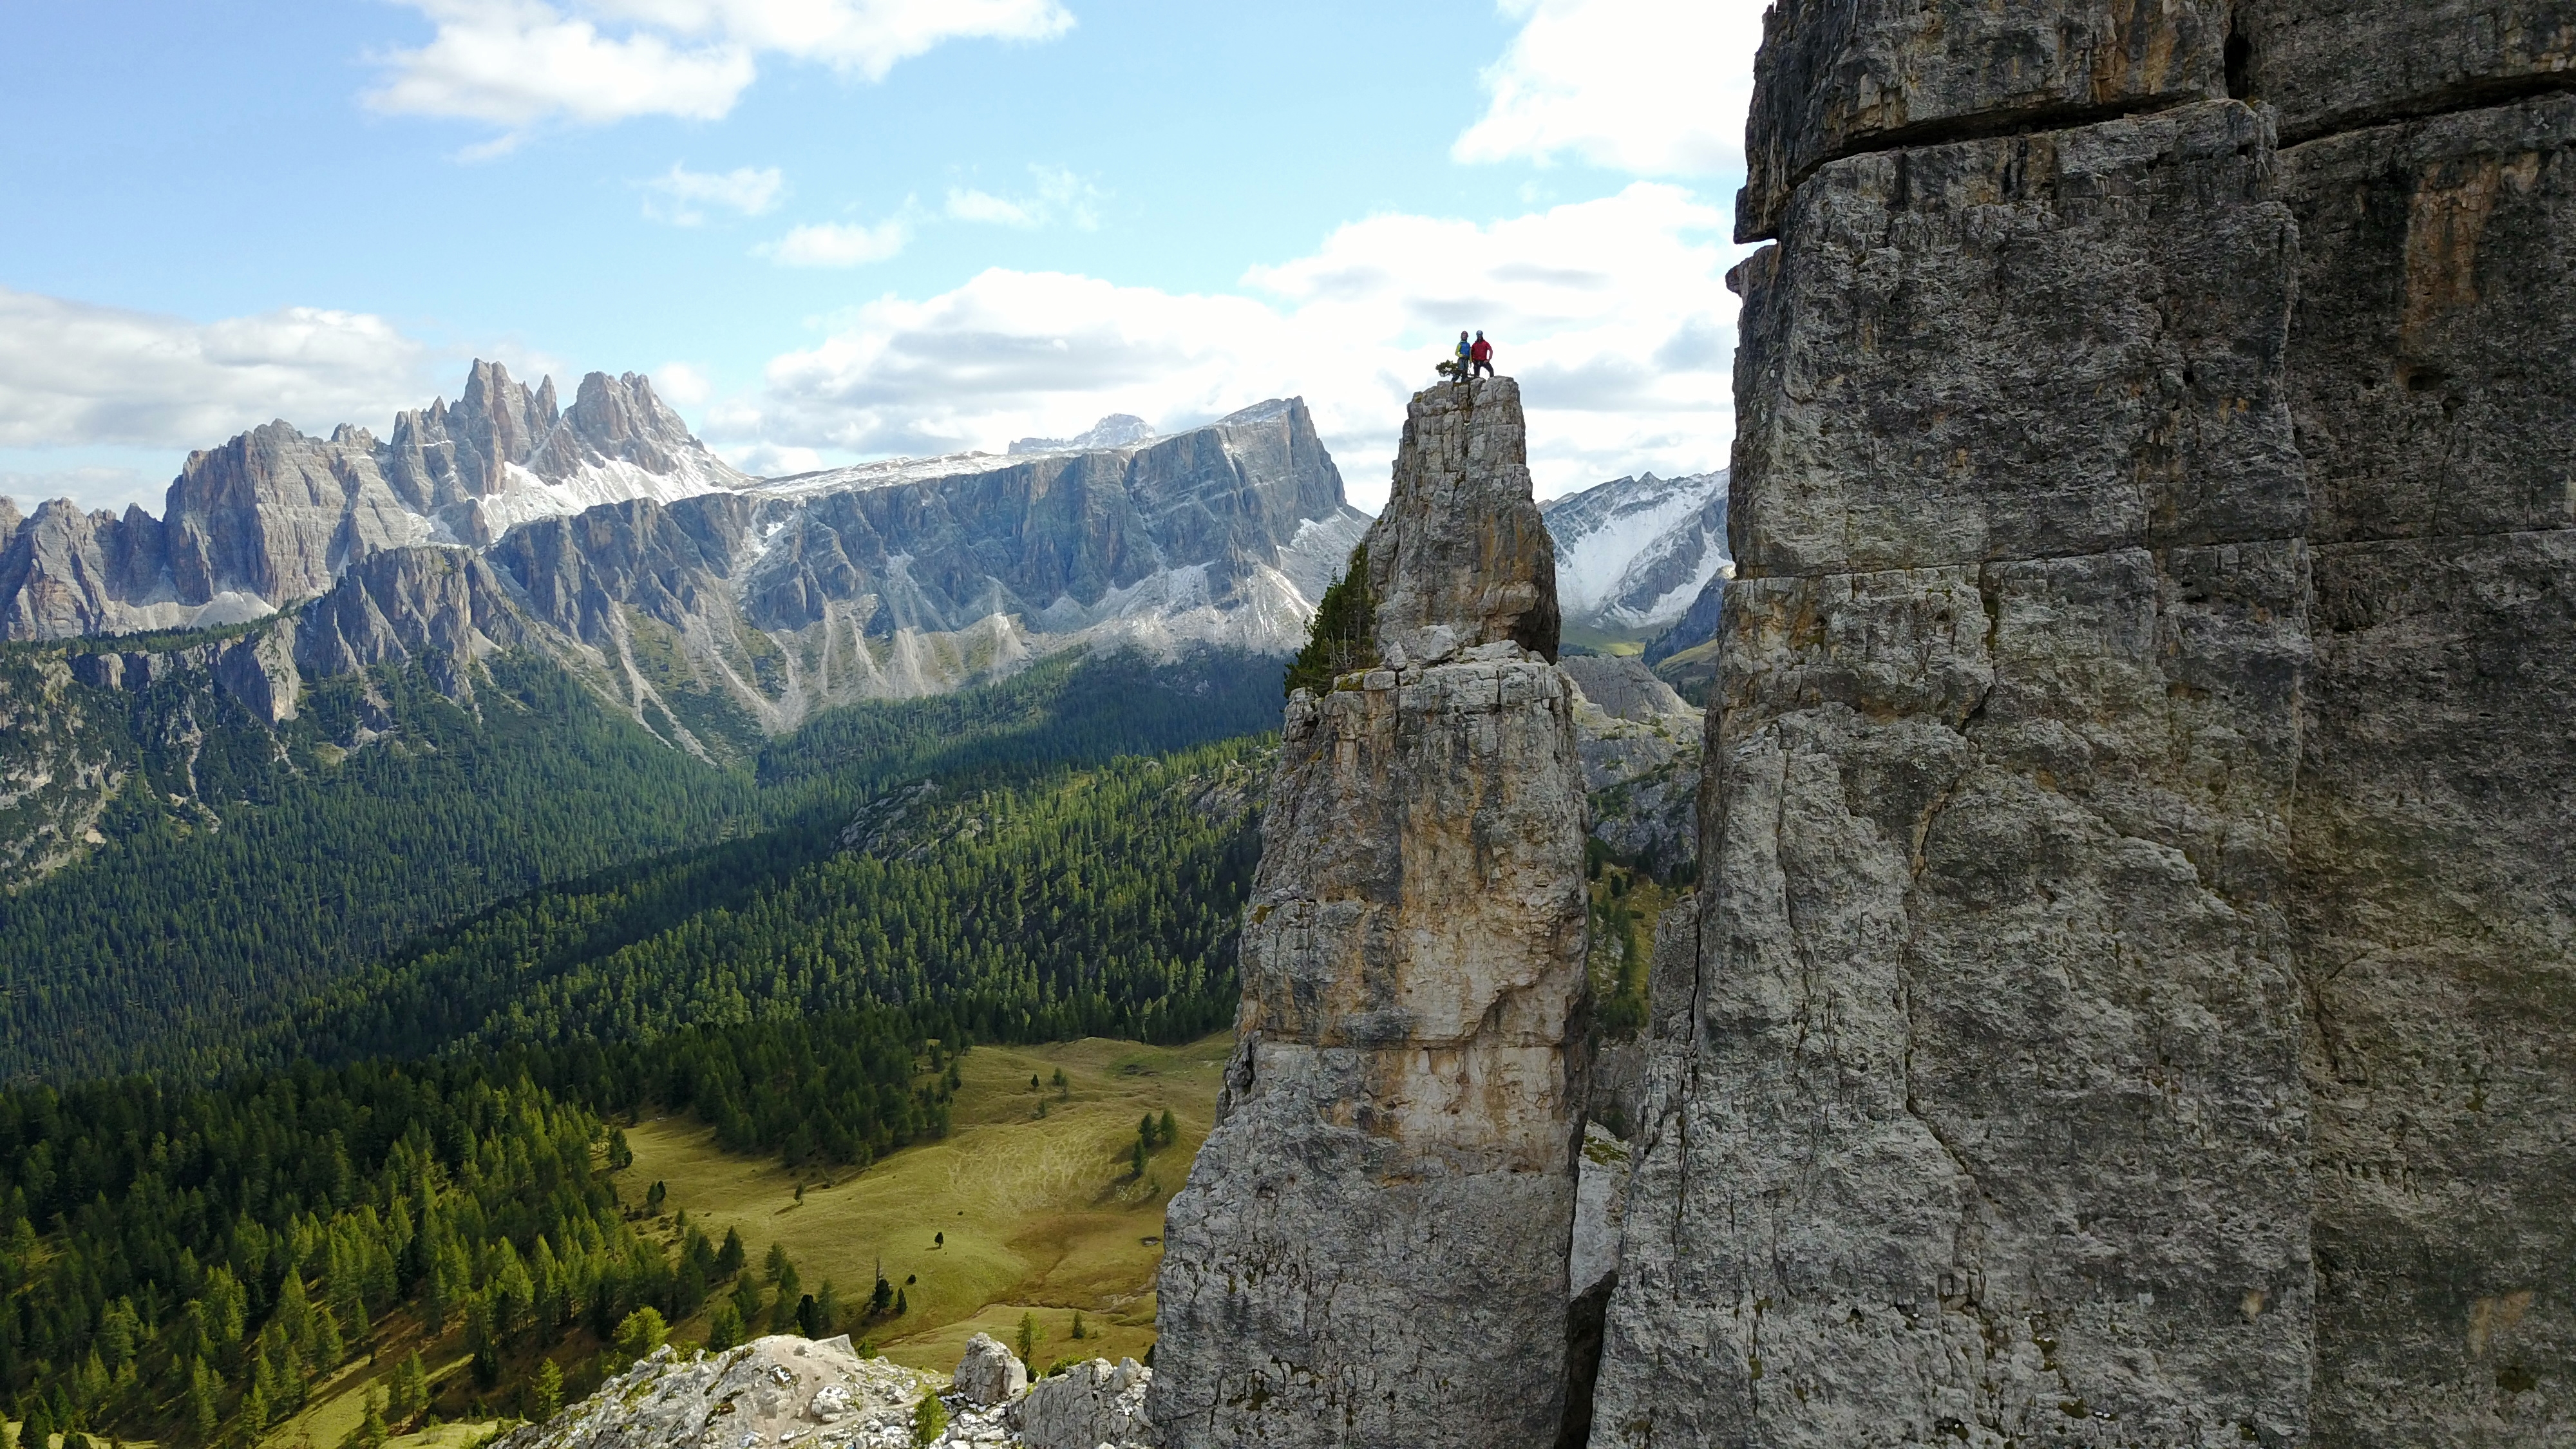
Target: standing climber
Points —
{"points": [[1482, 354], [1459, 364]]}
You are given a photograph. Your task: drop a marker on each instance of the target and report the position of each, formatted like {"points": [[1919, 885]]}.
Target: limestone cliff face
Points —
{"points": [[1996, 1102], [2128, 1000], [2433, 366], [1372, 1246]]}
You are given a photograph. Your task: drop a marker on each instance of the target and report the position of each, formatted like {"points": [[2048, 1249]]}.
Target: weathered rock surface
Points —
{"points": [[2332, 65], [444, 606], [1461, 556], [2434, 366], [1086, 1405], [1837, 77], [2055, 344], [1994, 1105], [769, 1393], [2130, 1001], [1372, 1246], [990, 1373]]}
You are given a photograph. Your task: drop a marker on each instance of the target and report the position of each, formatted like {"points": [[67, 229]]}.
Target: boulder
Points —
{"points": [[990, 1373]]}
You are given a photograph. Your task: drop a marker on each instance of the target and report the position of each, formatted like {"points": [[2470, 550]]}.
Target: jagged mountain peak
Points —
{"points": [[275, 515], [1118, 430], [1633, 553]]}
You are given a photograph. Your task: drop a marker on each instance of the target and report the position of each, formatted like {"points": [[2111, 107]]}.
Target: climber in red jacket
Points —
{"points": [[1482, 355]]}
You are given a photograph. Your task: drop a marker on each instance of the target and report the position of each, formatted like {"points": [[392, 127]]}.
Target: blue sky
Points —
{"points": [[836, 229]]}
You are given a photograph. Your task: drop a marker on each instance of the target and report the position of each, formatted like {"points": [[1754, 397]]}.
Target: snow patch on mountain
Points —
{"points": [[525, 496], [1118, 430], [1633, 553]]}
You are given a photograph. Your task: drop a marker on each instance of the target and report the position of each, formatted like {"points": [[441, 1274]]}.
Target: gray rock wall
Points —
{"points": [[1838, 77], [2132, 993], [2434, 371], [1372, 1245]]}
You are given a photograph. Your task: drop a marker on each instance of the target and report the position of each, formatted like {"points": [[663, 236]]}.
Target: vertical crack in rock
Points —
{"points": [[1372, 1247]]}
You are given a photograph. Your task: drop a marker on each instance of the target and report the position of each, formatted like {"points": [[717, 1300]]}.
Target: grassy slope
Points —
{"points": [[1040, 1216], [1040, 1213]]}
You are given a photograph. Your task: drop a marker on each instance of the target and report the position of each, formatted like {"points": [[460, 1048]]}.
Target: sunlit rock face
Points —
{"points": [[1372, 1247]]}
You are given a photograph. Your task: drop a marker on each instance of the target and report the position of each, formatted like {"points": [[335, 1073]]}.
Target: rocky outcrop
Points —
{"points": [[443, 606], [1633, 554], [775, 1390], [257, 671], [503, 455], [1452, 562], [1372, 1246], [1086, 1405], [990, 1374], [2127, 1001]]}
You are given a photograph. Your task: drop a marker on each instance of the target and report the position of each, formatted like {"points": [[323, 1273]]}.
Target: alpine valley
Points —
{"points": [[346, 690]]}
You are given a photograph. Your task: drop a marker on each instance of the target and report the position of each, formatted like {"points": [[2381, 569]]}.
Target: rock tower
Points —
{"points": [[1371, 1249], [2133, 999]]}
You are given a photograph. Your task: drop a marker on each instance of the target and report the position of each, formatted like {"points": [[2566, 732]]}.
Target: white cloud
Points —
{"points": [[840, 244], [91, 485], [771, 460], [74, 375], [1653, 87], [1060, 195], [1613, 313], [681, 196], [517, 62], [681, 385], [970, 205]]}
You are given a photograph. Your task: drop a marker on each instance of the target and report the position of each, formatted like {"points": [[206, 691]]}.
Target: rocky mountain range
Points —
{"points": [[276, 516], [717, 607], [1634, 554], [714, 607]]}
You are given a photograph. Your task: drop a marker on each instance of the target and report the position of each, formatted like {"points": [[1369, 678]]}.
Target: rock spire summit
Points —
{"points": [[1372, 1246], [1461, 557]]}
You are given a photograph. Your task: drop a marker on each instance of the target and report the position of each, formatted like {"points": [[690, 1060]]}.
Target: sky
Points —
{"points": [[838, 230]]}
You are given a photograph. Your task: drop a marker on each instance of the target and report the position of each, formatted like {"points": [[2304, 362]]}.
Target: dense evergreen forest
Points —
{"points": [[1096, 901], [298, 858], [308, 859], [188, 1264]]}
